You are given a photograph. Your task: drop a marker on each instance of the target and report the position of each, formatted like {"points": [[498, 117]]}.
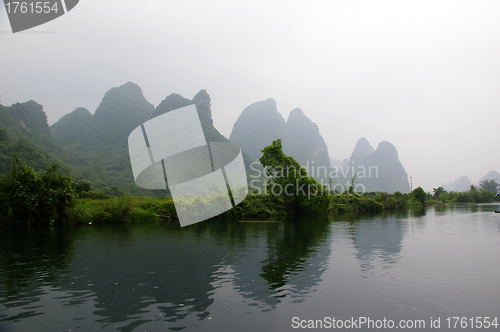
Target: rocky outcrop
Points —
{"points": [[260, 124], [377, 170]]}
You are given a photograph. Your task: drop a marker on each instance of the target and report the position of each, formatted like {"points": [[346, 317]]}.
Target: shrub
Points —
{"points": [[419, 195], [140, 215], [119, 209], [31, 198], [301, 193], [83, 185]]}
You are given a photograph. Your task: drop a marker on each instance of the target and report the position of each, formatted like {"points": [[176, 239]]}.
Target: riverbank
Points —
{"points": [[104, 209], [96, 208]]}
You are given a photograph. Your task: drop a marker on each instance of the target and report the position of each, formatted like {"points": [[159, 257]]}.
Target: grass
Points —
{"points": [[151, 209]]}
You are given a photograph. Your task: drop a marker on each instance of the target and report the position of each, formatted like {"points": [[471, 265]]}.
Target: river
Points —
{"points": [[403, 267]]}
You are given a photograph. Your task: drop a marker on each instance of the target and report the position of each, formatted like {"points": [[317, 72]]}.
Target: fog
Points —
{"points": [[423, 75]]}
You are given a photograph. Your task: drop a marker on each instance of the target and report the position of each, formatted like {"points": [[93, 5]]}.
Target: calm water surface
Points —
{"points": [[231, 276]]}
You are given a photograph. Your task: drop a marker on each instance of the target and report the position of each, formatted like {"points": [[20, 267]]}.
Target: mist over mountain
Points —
{"points": [[260, 124], [257, 127], [361, 150], [98, 144], [458, 185], [71, 127], [377, 170], [24, 131], [303, 141], [492, 175], [340, 164], [202, 102], [121, 110]]}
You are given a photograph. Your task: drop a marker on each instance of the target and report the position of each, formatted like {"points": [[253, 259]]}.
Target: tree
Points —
{"points": [[28, 197], [438, 191], [289, 181], [419, 195], [83, 185], [3, 135], [490, 185]]}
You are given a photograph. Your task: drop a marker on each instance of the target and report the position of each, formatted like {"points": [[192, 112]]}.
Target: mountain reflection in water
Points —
{"points": [[225, 274]]}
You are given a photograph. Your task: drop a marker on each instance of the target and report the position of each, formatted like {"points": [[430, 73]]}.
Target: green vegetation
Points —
{"points": [[474, 195], [288, 180], [353, 203], [24, 131], [490, 185], [50, 198], [30, 198], [35, 190], [28, 120], [147, 209], [419, 195], [419, 198]]}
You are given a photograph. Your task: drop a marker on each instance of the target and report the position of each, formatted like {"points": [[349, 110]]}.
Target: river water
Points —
{"points": [[409, 267]]}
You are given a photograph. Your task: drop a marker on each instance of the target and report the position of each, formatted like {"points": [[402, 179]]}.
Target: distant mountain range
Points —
{"points": [[260, 124], [96, 144], [492, 175], [378, 170], [463, 183], [458, 185]]}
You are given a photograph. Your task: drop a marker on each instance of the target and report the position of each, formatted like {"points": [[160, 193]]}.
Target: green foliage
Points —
{"points": [[140, 215], [30, 198], [490, 185], [419, 195], [390, 201], [97, 144], [112, 191], [25, 152], [289, 181], [438, 191], [118, 209], [112, 210], [71, 127], [258, 206], [354, 203], [83, 185], [28, 121], [3, 135], [474, 196]]}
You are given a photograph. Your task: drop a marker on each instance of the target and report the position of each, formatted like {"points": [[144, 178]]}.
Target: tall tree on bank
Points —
{"points": [[30, 198], [289, 181], [490, 185]]}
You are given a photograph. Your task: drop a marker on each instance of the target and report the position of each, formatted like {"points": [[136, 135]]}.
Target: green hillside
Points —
{"points": [[24, 130], [97, 145], [71, 127]]}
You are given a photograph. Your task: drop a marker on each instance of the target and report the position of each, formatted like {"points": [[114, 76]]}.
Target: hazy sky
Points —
{"points": [[423, 75]]}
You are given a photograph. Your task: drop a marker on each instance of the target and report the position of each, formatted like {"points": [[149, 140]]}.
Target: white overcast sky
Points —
{"points": [[423, 75]]}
